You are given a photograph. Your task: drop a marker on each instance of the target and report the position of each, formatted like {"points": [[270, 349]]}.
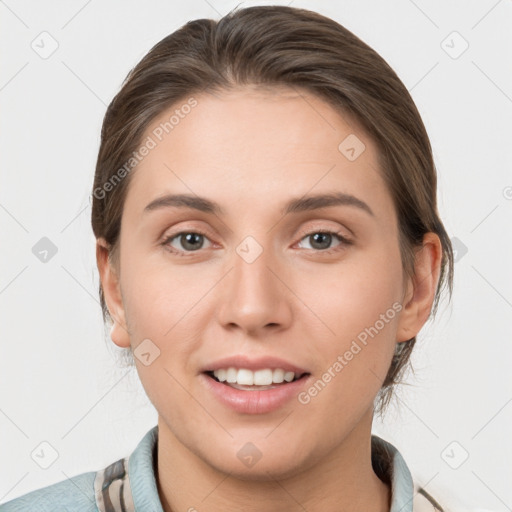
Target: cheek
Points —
{"points": [[159, 294], [359, 308], [163, 304], [354, 295], [355, 359], [364, 309]]}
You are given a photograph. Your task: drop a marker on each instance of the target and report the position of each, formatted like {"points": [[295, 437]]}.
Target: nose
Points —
{"points": [[254, 295]]}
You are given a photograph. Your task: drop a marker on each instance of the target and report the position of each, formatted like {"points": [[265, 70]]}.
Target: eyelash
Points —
{"points": [[344, 241]]}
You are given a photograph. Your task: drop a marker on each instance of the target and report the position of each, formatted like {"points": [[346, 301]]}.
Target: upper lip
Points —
{"points": [[257, 363]]}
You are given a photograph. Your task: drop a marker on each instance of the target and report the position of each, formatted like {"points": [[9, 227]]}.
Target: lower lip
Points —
{"points": [[254, 402]]}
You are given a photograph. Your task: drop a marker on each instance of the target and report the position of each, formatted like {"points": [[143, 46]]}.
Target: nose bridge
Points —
{"points": [[251, 262], [254, 297]]}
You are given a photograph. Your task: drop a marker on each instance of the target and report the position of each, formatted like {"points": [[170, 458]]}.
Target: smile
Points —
{"points": [[249, 379], [253, 398]]}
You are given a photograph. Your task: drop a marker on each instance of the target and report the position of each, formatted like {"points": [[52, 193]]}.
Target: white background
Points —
{"points": [[59, 379]]}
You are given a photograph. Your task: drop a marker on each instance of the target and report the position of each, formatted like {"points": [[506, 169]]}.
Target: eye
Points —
{"points": [[321, 241], [190, 241]]}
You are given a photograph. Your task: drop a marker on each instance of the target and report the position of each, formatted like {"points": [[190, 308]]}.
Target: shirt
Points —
{"points": [[129, 485]]}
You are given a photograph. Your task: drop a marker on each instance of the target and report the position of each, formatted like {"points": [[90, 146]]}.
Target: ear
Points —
{"points": [[112, 291], [421, 288]]}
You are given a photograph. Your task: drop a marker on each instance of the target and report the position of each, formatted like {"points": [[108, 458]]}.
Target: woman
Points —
{"points": [[269, 247]]}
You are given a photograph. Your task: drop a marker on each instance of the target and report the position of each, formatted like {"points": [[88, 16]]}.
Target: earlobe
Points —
{"points": [[112, 292], [421, 288], [119, 334]]}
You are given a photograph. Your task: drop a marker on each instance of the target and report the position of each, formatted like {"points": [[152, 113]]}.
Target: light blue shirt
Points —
{"points": [[129, 484]]}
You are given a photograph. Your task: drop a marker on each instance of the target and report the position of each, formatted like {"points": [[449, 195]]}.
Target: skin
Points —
{"points": [[251, 150]]}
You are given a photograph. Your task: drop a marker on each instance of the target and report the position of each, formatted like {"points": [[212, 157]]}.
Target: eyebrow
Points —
{"points": [[301, 204]]}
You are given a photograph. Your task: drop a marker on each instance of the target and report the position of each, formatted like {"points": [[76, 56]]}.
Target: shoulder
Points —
{"points": [[106, 490], [73, 494]]}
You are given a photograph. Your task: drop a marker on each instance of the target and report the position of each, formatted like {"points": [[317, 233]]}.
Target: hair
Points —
{"points": [[274, 46]]}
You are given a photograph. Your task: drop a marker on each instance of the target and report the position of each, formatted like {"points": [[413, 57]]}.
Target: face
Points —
{"points": [[256, 271]]}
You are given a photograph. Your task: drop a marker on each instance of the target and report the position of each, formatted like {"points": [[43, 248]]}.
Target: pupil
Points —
{"points": [[318, 239], [189, 241]]}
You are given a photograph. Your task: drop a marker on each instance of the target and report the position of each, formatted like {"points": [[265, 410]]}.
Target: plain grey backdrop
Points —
{"points": [[62, 394]]}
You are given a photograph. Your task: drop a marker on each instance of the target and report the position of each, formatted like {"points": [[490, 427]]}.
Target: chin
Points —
{"points": [[267, 464], [263, 472]]}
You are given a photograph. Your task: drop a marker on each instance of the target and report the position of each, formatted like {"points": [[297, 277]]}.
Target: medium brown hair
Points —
{"points": [[272, 46]]}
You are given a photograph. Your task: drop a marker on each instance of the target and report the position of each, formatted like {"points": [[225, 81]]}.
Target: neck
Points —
{"points": [[343, 481]]}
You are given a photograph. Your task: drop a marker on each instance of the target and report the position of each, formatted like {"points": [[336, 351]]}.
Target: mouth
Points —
{"points": [[254, 392], [260, 380], [254, 385]]}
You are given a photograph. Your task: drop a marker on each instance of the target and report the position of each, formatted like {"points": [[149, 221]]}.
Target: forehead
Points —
{"points": [[255, 145]]}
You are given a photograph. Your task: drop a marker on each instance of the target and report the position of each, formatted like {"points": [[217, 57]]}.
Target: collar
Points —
{"points": [[130, 484], [390, 467]]}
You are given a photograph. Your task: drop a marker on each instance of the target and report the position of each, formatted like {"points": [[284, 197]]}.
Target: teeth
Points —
{"points": [[222, 375], [278, 376], [245, 377], [231, 374], [288, 376]]}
